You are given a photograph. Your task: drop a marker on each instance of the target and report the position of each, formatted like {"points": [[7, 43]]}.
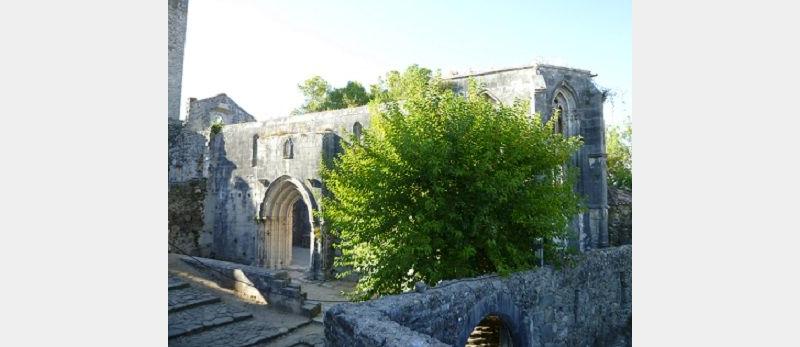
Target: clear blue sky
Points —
{"points": [[258, 51]]}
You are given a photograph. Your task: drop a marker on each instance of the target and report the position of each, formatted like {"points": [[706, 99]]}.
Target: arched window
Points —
{"points": [[357, 130], [288, 149], [558, 111], [564, 105], [255, 150]]}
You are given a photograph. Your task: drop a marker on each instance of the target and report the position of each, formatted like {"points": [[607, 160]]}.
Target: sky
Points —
{"points": [[258, 51]]}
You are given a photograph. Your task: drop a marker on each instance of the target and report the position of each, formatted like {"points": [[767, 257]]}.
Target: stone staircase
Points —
{"points": [[200, 318], [274, 286], [487, 334]]}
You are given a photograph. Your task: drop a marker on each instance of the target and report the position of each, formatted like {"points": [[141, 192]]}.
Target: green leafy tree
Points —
{"points": [[315, 90], [619, 148], [320, 96], [444, 186]]}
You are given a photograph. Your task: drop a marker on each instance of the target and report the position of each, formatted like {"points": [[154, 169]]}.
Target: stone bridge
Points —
{"points": [[588, 304]]}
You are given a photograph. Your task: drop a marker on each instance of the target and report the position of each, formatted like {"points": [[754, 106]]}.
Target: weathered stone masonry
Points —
{"points": [[257, 171], [188, 171], [572, 91], [177, 10], [586, 305]]}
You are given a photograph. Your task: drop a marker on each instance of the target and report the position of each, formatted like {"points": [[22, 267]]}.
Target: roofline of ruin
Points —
{"points": [[515, 68]]}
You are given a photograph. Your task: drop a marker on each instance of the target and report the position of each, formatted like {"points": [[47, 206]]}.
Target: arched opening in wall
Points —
{"points": [[490, 332], [288, 149], [564, 105], [357, 130], [255, 150], [558, 111], [301, 236], [287, 240]]}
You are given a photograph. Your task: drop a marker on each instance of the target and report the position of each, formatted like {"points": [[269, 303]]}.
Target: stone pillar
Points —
{"points": [[177, 41]]}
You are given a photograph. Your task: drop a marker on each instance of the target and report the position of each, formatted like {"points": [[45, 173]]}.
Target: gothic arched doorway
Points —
{"points": [[288, 240]]}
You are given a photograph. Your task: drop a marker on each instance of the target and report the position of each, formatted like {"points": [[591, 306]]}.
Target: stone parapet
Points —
{"points": [[587, 304]]}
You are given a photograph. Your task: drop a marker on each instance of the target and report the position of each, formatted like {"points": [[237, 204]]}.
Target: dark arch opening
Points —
{"points": [[288, 149], [491, 331], [357, 130], [559, 112], [286, 212], [255, 150], [301, 235]]}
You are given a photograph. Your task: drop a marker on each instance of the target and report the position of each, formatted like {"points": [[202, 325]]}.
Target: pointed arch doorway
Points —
{"points": [[287, 240]]}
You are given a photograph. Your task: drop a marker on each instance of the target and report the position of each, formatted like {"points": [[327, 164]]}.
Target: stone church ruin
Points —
{"points": [[249, 192], [262, 182]]}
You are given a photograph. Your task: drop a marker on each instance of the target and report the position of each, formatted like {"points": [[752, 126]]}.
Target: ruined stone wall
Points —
{"points": [[186, 212], [585, 305], [504, 86], [187, 153], [177, 40], [246, 158], [187, 189], [238, 183], [539, 85], [620, 216], [202, 113]]}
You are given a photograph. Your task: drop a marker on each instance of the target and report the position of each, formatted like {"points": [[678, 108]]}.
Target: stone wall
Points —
{"points": [[542, 85], [186, 212], [247, 159], [187, 189], [187, 153], [177, 40], [204, 112], [620, 216], [258, 284], [585, 305]]}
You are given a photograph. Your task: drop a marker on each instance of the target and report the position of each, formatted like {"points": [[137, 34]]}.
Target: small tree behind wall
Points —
{"points": [[619, 150]]}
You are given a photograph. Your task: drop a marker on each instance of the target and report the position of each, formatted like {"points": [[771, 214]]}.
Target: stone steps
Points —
{"points": [[187, 297], [274, 285], [311, 335], [176, 283], [311, 308], [204, 317], [240, 334]]}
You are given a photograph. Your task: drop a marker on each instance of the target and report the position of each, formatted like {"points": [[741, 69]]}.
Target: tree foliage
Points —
{"points": [[321, 96], [444, 186], [619, 148]]}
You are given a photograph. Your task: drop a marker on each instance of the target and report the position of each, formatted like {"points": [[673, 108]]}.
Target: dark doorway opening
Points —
{"points": [[490, 332], [301, 235]]}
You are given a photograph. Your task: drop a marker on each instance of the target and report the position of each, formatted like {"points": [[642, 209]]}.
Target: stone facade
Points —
{"points": [[548, 87], [177, 10], [585, 305], [203, 113], [257, 171]]}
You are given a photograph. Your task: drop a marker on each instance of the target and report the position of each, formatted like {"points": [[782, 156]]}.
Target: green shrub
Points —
{"points": [[619, 150], [445, 186]]}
